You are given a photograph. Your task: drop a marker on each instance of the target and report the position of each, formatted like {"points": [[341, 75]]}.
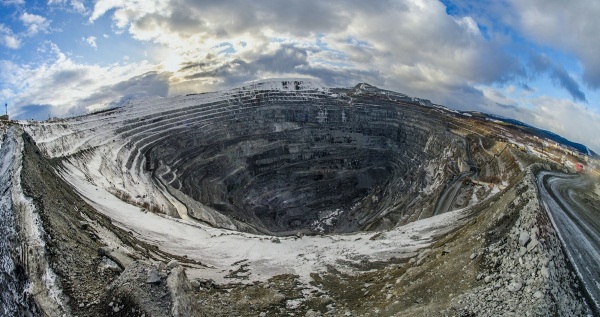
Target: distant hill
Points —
{"points": [[545, 134]]}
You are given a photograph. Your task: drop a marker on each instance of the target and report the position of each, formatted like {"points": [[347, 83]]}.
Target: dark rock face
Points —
{"points": [[144, 289], [286, 161], [278, 161]]}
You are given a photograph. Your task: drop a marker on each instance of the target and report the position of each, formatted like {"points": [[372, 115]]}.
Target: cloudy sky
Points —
{"points": [[537, 61]]}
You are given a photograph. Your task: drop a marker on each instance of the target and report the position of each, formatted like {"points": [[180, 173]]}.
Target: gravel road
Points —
{"points": [[577, 220]]}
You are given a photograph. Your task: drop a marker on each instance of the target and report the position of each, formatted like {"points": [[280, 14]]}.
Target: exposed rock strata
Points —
{"points": [[365, 158], [273, 160]]}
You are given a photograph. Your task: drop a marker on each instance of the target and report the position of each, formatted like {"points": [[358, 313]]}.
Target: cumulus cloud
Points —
{"points": [[72, 88], [78, 6], [34, 23], [91, 40], [570, 26], [75, 5], [11, 41], [410, 45], [103, 6], [8, 38]]}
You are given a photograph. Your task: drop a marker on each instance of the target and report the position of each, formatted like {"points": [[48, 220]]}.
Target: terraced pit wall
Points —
{"points": [[281, 165], [274, 161]]}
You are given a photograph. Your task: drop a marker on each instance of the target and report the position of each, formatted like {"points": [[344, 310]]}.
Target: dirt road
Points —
{"points": [[575, 213]]}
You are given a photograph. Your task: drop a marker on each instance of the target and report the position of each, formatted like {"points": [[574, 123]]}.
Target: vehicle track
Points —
{"points": [[578, 226]]}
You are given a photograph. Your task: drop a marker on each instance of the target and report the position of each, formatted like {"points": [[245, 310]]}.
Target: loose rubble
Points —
{"points": [[502, 258], [526, 271]]}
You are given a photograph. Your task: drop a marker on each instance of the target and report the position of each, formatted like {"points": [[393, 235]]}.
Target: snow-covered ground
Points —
{"points": [[108, 147], [222, 250], [104, 154], [19, 211]]}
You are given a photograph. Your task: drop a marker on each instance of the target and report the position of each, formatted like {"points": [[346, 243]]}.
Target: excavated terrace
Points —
{"points": [[278, 157], [283, 166], [119, 195]]}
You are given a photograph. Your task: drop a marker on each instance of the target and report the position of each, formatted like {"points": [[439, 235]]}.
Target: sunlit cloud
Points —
{"points": [[484, 56], [91, 40], [34, 23], [8, 38], [65, 85], [75, 5]]}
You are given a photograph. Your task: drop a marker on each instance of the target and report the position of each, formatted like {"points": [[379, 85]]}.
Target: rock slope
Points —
{"points": [[273, 158], [274, 199]]}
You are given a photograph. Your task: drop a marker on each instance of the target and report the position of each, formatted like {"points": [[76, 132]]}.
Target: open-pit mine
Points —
{"points": [[286, 198]]}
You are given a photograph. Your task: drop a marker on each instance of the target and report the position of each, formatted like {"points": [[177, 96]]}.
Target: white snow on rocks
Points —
{"points": [[43, 281], [266, 256]]}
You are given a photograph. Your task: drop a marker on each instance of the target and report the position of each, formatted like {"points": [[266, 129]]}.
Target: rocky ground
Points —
{"points": [[506, 260], [83, 262], [524, 270]]}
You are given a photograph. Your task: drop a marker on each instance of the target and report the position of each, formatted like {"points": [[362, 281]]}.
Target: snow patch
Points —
{"points": [[284, 84], [327, 219], [220, 248], [43, 284], [285, 126]]}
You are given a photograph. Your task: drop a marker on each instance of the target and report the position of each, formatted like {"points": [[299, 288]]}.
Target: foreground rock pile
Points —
{"points": [[527, 272], [152, 289]]}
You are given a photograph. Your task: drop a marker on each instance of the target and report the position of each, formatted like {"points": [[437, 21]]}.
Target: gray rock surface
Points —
{"points": [[277, 162], [530, 272], [523, 238], [139, 289], [153, 277], [182, 293]]}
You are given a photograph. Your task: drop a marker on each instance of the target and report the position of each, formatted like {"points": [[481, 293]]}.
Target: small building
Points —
{"points": [[579, 168], [4, 117]]}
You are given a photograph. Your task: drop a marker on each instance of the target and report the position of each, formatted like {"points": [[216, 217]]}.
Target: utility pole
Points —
{"points": [[6, 108]]}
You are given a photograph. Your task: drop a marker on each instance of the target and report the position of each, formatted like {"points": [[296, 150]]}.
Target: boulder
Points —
{"points": [[523, 238]]}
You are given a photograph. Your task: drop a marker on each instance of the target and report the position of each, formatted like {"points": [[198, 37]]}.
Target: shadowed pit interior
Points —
{"points": [[283, 163]]}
